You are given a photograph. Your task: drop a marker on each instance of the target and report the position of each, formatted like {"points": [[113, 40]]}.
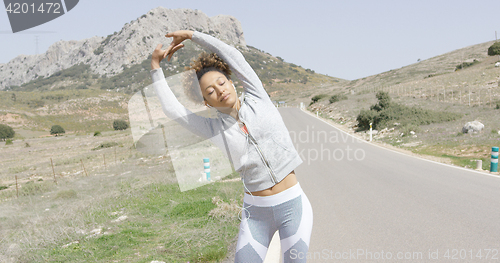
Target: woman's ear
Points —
{"points": [[206, 103]]}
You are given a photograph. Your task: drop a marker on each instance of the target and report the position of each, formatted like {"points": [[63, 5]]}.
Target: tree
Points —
{"points": [[494, 49], [6, 132], [57, 130], [120, 125]]}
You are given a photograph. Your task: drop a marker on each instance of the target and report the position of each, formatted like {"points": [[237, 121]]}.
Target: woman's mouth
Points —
{"points": [[225, 97]]}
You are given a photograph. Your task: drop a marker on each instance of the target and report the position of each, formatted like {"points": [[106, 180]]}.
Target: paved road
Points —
{"points": [[367, 199]]}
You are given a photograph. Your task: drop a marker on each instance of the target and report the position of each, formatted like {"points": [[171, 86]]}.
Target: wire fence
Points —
{"points": [[469, 95]]}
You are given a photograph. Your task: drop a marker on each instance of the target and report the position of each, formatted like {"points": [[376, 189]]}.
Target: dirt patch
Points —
{"points": [[13, 119]]}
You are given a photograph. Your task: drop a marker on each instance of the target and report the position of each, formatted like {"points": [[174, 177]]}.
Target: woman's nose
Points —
{"points": [[220, 90]]}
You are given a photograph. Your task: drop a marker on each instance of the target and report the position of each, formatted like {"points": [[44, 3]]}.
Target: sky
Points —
{"points": [[345, 39]]}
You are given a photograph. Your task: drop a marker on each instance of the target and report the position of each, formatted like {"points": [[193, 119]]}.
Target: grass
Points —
{"points": [[162, 224], [467, 162], [66, 194]]}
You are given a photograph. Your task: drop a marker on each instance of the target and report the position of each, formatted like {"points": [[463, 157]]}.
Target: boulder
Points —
{"points": [[472, 126]]}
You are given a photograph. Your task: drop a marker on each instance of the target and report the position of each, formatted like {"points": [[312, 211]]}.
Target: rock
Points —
{"points": [[473, 126], [373, 132], [498, 132], [412, 132], [119, 219], [497, 64], [69, 244]]}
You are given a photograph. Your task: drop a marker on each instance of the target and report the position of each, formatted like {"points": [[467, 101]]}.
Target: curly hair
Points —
{"points": [[205, 62]]}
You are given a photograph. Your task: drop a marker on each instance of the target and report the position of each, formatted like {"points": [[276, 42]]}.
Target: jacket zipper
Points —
{"points": [[266, 163]]}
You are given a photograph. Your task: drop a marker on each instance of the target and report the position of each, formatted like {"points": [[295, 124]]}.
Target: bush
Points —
{"points": [[120, 125], [36, 103], [2, 187], [384, 113], [337, 97], [97, 133], [6, 132], [366, 117], [317, 97], [384, 101], [57, 130], [494, 49], [466, 64], [105, 145], [8, 142], [98, 51]]}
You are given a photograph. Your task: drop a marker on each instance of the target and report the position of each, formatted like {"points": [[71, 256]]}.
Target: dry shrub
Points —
{"points": [[223, 209]]}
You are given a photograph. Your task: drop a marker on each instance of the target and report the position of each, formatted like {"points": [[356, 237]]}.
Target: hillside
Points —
{"points": [[444, 84], [85, 90]]}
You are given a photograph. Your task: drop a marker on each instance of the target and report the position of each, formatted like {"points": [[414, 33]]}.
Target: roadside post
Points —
{"points": [[206, 166], [494, 160], [371, 131]]}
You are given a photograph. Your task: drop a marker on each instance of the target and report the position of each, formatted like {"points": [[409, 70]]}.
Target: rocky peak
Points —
{"points": [[131, 45]]}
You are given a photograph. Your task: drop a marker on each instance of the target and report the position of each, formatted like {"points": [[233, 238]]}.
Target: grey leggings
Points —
{"points": [[289, 212]]}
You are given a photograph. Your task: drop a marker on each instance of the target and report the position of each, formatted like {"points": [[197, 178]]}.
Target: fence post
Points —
{"points": [[81, 160], [17, 189], [494, 160], [53, 171]]}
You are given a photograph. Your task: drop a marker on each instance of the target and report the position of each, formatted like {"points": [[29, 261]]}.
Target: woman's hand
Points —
{"points": [[178, 37], [159, 54], [157, 57]]}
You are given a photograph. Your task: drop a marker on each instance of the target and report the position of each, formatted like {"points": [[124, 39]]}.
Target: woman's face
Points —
{"points": [[217, 90]]}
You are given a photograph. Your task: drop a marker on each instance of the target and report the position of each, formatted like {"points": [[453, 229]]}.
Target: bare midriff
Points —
{"points": [[289, 181]]}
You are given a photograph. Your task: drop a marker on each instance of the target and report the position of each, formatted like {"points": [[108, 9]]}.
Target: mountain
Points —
{"points": [[131, 45]]}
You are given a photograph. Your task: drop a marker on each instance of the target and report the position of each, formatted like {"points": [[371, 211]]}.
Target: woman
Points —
{"points": [[260, 147]]}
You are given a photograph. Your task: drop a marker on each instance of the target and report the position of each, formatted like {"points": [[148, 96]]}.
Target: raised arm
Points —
{"points": [[229, 54], [201, 126]]}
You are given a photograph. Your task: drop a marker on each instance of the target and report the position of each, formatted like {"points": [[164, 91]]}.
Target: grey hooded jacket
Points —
{"points": [[263, 157]]}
